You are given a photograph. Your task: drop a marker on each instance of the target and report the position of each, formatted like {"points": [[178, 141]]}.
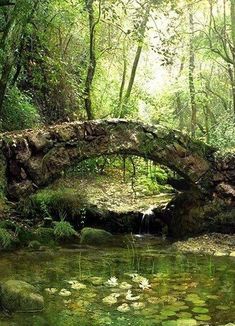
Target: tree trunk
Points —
{"points": [[120, 100], [191, 74], [92, 59], [135, 62], [232, 10]]}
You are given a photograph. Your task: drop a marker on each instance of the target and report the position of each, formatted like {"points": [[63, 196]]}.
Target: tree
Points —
{"points": [[92, 56], [191, 67], [140, 40], [18, 19]]}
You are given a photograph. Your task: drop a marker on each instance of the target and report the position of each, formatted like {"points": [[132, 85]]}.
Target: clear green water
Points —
{"points": [[185, 289]]}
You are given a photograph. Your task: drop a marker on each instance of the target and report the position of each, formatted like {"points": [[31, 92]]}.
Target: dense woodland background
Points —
{"points": [[169, 62]]}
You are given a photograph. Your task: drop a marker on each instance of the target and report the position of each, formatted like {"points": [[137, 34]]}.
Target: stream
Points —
{"points": [[138, 281]]}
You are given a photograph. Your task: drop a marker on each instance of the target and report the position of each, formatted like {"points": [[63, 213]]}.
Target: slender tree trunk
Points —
{"points": [[179, 111], [121, 91], [191, 74], [136, 61], [92, 58], [232, 10]]}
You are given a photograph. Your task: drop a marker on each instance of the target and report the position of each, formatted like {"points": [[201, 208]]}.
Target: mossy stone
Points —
{"points": [[20, 296], [94, 236]]}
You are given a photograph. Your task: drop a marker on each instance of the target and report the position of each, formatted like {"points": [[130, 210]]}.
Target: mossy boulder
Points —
{"points": [[20, 296], [94, 236]]}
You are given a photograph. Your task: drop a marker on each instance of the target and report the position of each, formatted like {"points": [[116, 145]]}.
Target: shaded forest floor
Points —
{"points": [[111, 192]]}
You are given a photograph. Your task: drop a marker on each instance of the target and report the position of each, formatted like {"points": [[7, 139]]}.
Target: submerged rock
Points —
{"points": [[94, 236], [20, 296]]}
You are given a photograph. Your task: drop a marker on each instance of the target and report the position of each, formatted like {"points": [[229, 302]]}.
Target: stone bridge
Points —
{"points": [[35, 157]]}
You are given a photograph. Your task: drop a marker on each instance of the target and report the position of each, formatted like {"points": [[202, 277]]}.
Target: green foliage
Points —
{"points": [[63, 230], [49, 202], [160, 175], [223, 133], [6, 238], [45, 235], [18, 112]]}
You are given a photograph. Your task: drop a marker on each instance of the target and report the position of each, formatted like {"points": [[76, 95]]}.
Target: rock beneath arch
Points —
{"points": [[94, 236]]}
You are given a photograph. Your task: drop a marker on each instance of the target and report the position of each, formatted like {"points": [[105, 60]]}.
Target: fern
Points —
{"points": [[63, 230], [5, 238]]}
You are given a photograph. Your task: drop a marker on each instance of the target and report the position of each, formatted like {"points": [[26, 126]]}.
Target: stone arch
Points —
{"points": [[35, 157]]}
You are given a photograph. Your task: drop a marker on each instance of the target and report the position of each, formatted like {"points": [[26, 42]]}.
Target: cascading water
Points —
{"points": [[147, 216]]}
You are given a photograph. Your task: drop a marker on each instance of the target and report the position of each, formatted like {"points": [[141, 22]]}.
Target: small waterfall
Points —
{"points": [[147, 216]]}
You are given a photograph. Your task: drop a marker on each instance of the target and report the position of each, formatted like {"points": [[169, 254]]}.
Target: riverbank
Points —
{"points": [[213, 244]]}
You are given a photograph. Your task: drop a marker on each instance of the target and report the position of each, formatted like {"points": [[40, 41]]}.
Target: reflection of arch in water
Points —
{"points": [[36, 157]]}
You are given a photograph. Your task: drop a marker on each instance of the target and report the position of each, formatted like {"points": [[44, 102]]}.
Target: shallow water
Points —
{"points": [[185, 289]]}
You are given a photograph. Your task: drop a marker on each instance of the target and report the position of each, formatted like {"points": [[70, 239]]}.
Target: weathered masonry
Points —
{"points": [[33, 158]]}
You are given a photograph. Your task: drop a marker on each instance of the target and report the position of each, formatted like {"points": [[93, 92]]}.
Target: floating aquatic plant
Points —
{"points": [[111, 299], [75, 285], [123, 308], [144, 284], [64, 293], [130, 297], [200, 310], [125, 286], [51, 290], [136, 278], [112, 282], [138, 305]]}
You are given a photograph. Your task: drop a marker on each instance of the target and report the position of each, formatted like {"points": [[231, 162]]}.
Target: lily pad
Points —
{"points": [[203, 317], [179, 303], [221, 307], [184, 314], [125, 286], [183, 307], [138, 305], [169, 323], [186, 322], [96, 280], [172, 307], [200, 310], [123, 308], [192, 297], [212, 296], [168, 312], [199, 303]]}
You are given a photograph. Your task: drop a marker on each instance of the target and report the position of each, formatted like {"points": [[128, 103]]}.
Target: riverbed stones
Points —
{"points": [[20, 296], [94, 236]]}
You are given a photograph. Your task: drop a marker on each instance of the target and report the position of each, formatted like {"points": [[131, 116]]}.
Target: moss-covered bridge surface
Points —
{"points": [[35, 157]]}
